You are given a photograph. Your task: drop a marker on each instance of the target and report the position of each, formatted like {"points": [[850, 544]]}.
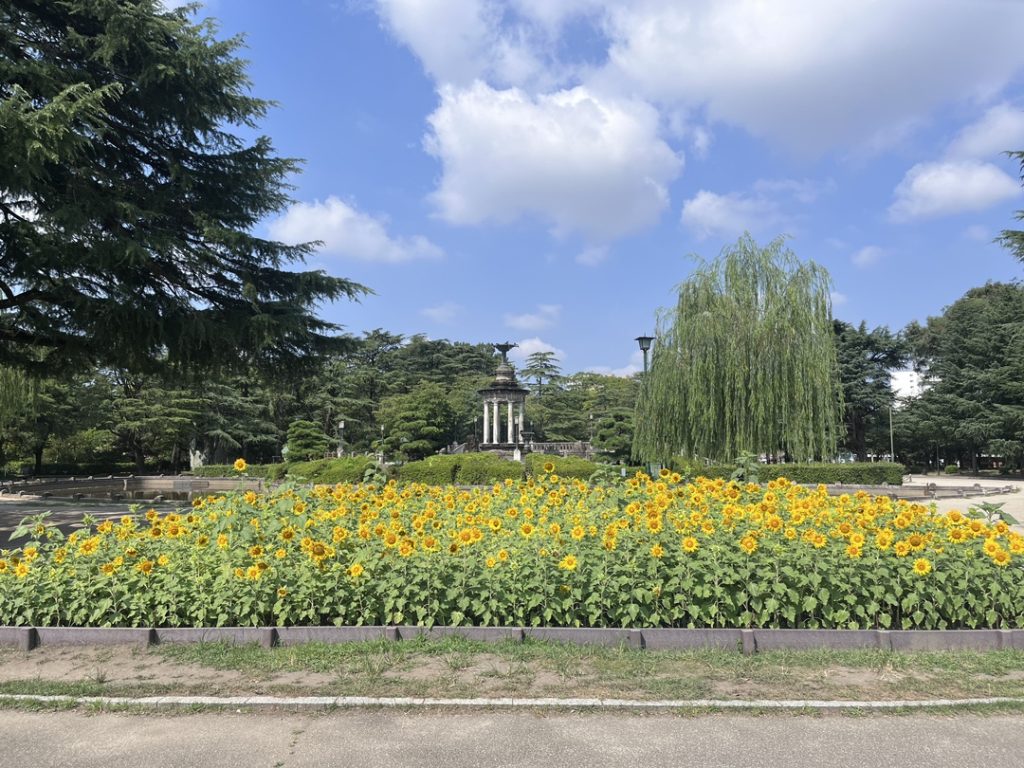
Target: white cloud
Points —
{"points": [[442, 313], [575, 160], [866, 256], [999, 130], [838, 299], [634, 366], [949, 187], [592, 255], [545, 316], [813, 75], [977, 232], [763, 210], [349, 233], [700, 140], [528, 346], [708, 214]]}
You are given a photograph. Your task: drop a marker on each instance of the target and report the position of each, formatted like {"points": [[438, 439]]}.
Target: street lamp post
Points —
{"points": [[380, 456], [341, 439], [645, 344]]}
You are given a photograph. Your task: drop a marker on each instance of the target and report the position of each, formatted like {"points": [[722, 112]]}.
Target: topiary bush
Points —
{"points": [[486, 468], [952, 469], [433, 470], [564, 466]]}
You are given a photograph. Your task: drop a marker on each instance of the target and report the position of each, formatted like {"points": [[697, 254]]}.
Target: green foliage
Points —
{"points": [[745, 362], [952, 469], [266, 471], [866, 362], [991, 512], [486, 468], [972, 358], [330, 471], [129, 198], [564, 466], [306, 441], [858, 473], [1013, 239], [747, 469], [433, 470]]}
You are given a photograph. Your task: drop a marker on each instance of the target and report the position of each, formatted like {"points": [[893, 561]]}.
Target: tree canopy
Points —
{"points": [[127, 198], [745, 362], [1013, 239]]}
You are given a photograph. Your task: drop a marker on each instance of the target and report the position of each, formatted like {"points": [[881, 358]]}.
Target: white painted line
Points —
{"points": [[321, 702]]}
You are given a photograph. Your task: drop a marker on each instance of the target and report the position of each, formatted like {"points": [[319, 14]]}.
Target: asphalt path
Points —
{"points": [[379, 739]]}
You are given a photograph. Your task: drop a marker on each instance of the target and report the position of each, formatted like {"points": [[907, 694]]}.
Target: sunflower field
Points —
{"points": [[644, 552]]}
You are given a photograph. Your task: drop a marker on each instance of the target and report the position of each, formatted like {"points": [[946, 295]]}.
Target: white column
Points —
{"points": [[496, 424], [511, 423], [487, 423], [522, 423]]}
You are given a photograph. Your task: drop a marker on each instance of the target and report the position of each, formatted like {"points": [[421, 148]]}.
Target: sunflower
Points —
{"points": [[657, 551], [240, 465], [690, 544], [568, 563], [748, 544], [1001, 558], [922, 566], [355, 570], [526, 529], [549, 467], [145, 567]]}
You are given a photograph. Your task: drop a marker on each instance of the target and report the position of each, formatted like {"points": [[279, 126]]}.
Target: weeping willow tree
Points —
{"points": [[745, 362]]}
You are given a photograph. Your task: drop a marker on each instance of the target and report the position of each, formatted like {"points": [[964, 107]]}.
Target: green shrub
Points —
{"points": [[952, 469], [564, 466], [266, 471], [486, 468], [306, 441], [433, 470], [858, 473], [330, 471]]}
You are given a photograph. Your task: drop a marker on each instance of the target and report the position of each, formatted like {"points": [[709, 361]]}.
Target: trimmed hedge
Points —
{"points": [[564, 466], [858, 473], [266, 471], [327, 471], [433, 470], [485, 468]]}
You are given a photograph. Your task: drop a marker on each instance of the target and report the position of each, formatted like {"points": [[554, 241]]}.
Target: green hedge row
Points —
{"points": [[859, 473], [564, 466], [460, 468], [486, 468], [266, 471], [347, 470]]}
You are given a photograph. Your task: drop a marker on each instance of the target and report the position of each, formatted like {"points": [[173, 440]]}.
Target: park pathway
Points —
{"points": [[376, 739]]}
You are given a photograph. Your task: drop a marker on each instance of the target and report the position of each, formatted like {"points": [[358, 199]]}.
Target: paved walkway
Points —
{"points": [[470, 740]]}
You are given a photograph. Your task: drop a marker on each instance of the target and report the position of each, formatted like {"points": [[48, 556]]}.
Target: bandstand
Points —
{"points": [[504, 398]]}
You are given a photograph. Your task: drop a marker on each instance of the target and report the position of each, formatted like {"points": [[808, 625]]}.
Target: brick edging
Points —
{"points": [[743, 640]]}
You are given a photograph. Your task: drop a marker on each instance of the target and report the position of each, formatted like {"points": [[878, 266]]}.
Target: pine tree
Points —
{"points": [[127, 200]]}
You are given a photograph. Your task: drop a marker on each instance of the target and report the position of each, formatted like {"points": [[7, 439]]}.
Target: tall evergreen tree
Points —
{"points": [[746, 362], [127, 200], [866, 362]]}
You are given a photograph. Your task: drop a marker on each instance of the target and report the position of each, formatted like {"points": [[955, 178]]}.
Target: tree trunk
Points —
{"points": [[38, 452], [140, 458]]}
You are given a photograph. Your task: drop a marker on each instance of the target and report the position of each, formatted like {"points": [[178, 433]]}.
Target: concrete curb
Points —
{"points": [[355, 702], [746, 641]]}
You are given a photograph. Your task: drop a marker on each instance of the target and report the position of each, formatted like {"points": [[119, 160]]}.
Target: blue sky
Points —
{"points": [[541, 170]]}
